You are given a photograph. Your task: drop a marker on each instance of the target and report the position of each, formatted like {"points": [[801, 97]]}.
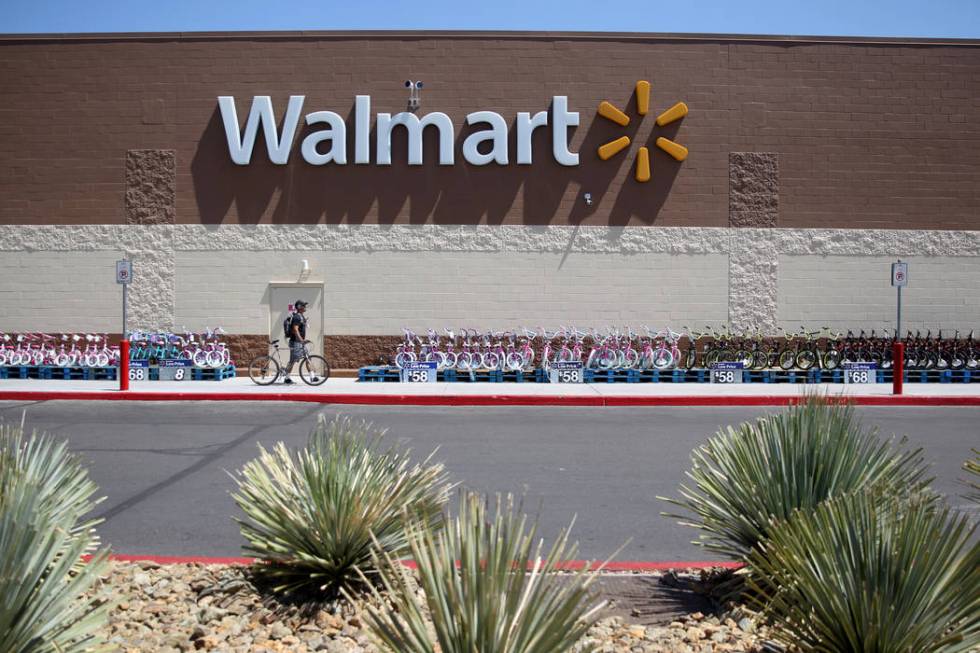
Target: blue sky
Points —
{"points": [[932, 18]]}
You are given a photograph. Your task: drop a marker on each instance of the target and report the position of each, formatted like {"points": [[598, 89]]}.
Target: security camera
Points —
{"points": [[414, 98]]}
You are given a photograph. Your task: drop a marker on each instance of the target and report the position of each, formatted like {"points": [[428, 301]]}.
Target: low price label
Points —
{"points": [[174, 373], [727, 372], [419, 372], [175, 369], [566, 372], [176, 362], [860, 372], [139, 370]]}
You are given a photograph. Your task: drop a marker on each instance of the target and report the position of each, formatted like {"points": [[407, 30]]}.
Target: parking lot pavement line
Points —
{"points": [[205, 460]]}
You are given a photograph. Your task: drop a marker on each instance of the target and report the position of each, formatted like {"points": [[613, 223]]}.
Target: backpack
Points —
{"points": [[285, 325]]}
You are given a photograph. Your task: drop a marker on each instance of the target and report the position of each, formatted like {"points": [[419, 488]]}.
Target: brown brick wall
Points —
{"points": [[867, 134]]}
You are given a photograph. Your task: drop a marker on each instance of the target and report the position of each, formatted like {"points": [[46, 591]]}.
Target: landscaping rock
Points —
{"points": [[193, 607]]}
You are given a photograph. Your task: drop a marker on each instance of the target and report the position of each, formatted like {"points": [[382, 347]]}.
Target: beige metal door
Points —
{"points": [[281, 299]]}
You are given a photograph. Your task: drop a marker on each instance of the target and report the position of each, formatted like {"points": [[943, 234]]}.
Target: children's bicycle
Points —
{"points": [[266, 369]]}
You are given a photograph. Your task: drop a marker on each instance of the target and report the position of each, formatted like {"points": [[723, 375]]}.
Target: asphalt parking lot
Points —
{"points": [[164, 466]]}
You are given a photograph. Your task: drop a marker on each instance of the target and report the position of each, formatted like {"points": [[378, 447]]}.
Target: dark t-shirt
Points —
{"points": [[297, 320]]}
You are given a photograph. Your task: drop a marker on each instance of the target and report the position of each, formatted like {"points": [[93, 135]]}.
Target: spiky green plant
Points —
{"points": [[486, 588], [744, 479], [871, 574], [44, 494], [973, 467], [311, 515]]}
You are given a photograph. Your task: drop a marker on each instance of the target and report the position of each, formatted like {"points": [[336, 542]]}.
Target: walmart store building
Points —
{"points": [[534, 179]]}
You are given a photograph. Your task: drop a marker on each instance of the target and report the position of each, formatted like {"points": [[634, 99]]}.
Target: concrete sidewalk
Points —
{"points": [[347, 390]]}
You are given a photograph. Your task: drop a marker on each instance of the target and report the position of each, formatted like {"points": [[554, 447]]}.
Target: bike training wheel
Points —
{"points": [[514, 362], [608, 360], [662, 359], [403, 358], [746, 358], [787, 359], [314, 370], [831, 359], [263, 370], [805, 359], [630, 359], [691, 359]]}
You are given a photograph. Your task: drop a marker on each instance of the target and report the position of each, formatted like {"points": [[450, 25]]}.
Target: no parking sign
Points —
{"points": [[900, 274], [124, 272]]}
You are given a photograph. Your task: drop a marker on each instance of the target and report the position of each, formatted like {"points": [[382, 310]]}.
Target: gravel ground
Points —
{"points": [[191, 607]]}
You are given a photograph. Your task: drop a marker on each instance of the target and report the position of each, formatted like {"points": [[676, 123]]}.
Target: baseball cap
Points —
{"points": [[299, 303]]}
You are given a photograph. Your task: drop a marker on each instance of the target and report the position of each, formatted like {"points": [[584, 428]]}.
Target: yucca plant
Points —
{"points": [[871, 574], [745, 479], [44, 494], [973, 467], [315, 517], [486, 587]]}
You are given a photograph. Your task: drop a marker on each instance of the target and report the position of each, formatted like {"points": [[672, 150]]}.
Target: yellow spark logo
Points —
{"points": [[610, 149]]}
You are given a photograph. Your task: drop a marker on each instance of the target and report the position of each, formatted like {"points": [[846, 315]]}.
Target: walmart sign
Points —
{"points": [[328, 144]]}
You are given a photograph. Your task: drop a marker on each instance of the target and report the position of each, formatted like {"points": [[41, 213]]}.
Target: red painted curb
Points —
{"points": [[475, 400], [571, 565]]}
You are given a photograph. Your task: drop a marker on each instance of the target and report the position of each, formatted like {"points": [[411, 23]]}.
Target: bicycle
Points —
{"points": [[266, 369]]}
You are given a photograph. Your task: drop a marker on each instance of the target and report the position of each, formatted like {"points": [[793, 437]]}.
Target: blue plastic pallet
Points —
{"points": [[524, 376], [391, 374], [27, 372], [45, 372], [378, 374], [211, 374]]}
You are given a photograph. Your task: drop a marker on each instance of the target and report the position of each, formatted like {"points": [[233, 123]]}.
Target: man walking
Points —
{"points": [[297, 337]]}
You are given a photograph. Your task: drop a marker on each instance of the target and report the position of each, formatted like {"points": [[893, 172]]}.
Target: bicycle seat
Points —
{"points": [[273, 342]]}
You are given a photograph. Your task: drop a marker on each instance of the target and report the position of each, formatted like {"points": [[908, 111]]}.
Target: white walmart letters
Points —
{"points": [[334, 134]]}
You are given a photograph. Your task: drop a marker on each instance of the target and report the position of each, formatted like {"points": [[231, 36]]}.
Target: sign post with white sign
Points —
{"points": [[900, 279], [124, 276]]}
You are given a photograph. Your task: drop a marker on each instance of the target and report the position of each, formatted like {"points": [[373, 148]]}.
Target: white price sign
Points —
{"points": [[139, 370], [124, 272], [727, 372], [173, 369], [173, 373], [419, 372], [860, 372], [566, 372]]}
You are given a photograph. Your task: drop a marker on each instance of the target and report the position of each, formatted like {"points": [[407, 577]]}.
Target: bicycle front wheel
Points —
{"points": [[314, 370], [263, 370]]}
